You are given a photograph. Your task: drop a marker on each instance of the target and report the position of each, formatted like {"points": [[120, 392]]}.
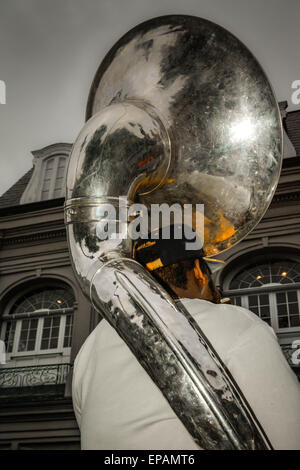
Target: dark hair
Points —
{"points": [[176, 274]]}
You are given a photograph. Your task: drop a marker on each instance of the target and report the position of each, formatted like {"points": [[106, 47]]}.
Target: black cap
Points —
{"points": [[168, 245]]}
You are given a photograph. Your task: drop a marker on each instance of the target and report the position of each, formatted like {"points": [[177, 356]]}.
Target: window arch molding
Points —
{"points": [[241, 261], [38, 318], [267, 282], [24, 285]]}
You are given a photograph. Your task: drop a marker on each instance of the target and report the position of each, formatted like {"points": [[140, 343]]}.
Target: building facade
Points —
{"points": [[45, 318], [262, 272]]}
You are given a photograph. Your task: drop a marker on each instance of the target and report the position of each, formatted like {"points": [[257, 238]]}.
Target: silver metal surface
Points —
{"points": [[219, 110], [181, 112]]}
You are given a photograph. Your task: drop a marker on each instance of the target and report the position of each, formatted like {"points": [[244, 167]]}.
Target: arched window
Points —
{"points": [[272, 291], [40, 321], [53, 177]]}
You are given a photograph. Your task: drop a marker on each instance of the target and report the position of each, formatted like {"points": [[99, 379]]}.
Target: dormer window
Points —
{"points": [[53, 178], [48, 180]]}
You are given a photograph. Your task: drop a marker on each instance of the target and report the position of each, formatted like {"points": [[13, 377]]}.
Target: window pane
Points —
{"points": [[264, 299], [253, 300], [10, 335], [48, 175], [282, 309], [283, 322], [46, 185], [59, 178], [62, 162], [32, 334], [68, 331], [264, 312], [255, 310], [47, 323], [50, 333], [28, 335], [287, 305], [292, 296], [53, 343], [54, 332], [293, 309], [295, 320], [31, 345], [61, 172], [259, 304], [281, 299]]}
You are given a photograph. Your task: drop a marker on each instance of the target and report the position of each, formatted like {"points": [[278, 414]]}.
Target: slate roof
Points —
{"points": [[13, 195]]}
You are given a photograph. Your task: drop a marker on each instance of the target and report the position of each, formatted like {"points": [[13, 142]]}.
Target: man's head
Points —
{"points": [[183, 273]]}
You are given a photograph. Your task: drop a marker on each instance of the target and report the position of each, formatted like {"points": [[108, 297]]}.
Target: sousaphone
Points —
{"points": [[179, 112]]}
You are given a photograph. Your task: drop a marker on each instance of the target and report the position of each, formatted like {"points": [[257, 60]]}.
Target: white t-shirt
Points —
{"points": [[118, 406]]}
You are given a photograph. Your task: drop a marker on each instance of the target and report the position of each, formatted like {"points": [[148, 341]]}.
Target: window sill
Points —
{"points": [[36, 355]]}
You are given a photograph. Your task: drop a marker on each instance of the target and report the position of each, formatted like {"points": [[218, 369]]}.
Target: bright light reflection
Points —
{"points": [[242, 130]]}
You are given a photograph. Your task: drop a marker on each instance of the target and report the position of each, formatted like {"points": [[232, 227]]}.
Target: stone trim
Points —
{"points": [[34, 237]]}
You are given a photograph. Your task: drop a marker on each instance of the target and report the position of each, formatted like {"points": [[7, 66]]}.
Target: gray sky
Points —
{"points": [[50, 50]]}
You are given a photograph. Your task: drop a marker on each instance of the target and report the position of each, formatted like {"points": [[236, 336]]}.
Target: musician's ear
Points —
{"points": [[198, 273]]}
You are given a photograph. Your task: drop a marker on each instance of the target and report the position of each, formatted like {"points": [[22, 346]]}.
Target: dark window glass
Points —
{"points": [[264, 312], [283, 322], [292, 296], [295, 320], [253, 300], [293, 309], [50, 333], [282, 309], [10, 335], [28, 335], [68, 331]]}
